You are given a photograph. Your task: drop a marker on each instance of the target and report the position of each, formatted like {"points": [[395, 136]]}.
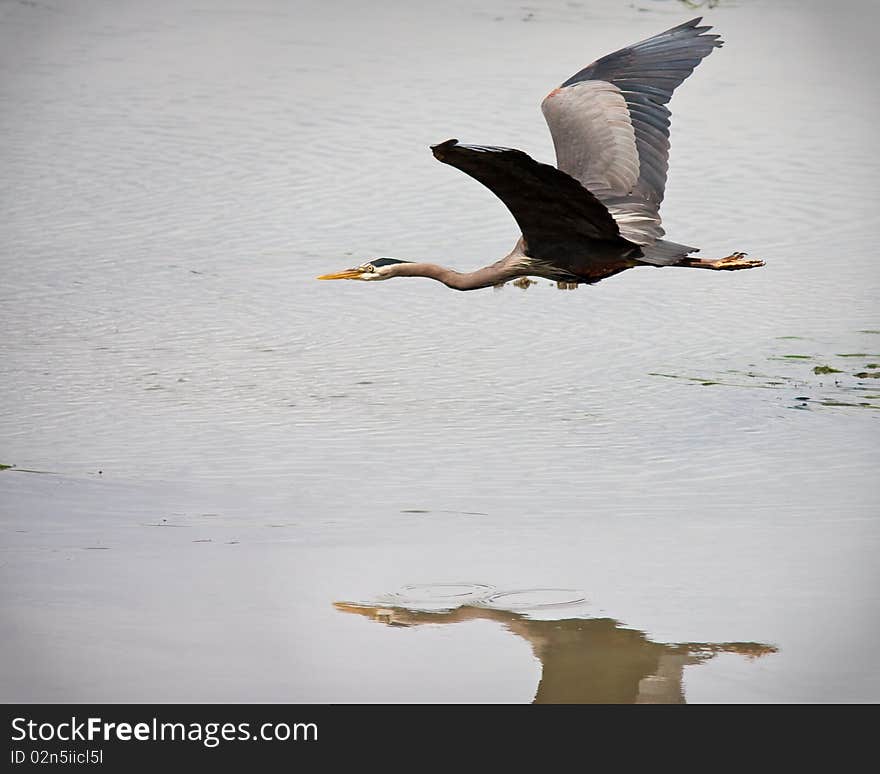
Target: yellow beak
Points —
{"points": [[347, 274]]}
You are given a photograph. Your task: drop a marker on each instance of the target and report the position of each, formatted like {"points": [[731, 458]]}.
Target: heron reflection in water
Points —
{"points": [[597, 213], [583, 660]]}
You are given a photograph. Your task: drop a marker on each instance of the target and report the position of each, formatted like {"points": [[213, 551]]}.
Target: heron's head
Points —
{"points": [[374, 269]]}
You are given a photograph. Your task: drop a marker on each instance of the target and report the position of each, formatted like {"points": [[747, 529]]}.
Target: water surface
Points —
{"points": [[228, 448]]}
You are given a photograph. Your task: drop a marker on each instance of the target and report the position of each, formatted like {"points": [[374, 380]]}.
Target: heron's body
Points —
{"points": [[597, 212]]}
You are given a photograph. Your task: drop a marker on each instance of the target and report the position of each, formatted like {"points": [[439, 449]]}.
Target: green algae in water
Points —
{"points": [[705, 382], [852, 405], [750, 374], [21, 470], [803, 381], [701, 380]]}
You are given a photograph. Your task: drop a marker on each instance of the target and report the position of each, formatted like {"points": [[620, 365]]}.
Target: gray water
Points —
{"points": [[227, 478]]}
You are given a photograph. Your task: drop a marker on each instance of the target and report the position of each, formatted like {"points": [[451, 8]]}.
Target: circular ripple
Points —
{"points": [[533, 599], [440, 594]]}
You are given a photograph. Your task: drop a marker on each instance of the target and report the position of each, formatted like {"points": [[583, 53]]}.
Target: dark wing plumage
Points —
{"points": [[549, 205], [610, 123]]}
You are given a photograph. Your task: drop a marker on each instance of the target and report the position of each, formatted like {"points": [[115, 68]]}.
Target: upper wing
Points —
{"points": [[610, 123], [549, 205]]}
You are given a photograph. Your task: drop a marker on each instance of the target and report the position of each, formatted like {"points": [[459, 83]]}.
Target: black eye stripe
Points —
{"points": [[385, 261]]}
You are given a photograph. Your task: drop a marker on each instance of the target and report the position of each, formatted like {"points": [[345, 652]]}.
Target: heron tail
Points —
{"points": [[664, 253]]}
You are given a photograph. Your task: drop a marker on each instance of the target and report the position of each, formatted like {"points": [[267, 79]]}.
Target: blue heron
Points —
{"points": [[597, 212]]}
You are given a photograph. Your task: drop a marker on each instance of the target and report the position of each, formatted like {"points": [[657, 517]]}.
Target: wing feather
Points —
{"points": [[628, 177], [549, 206]]}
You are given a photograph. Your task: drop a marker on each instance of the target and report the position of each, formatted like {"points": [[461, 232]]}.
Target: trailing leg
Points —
{"points": [[732, 262]]}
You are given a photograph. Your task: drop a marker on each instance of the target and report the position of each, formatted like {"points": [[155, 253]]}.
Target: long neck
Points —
{"points": [[472, 280]]}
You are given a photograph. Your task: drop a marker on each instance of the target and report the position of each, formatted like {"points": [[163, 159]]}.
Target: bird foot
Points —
{"points": [[523, 282], [733, 262], [567, 285]]}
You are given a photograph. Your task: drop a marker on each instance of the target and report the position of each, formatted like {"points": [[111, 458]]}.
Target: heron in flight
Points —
{"points": [[597, 212]]}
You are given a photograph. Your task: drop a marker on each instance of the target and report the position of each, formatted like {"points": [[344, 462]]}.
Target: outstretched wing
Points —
{"points": [[610, 124], [549, 206]]}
